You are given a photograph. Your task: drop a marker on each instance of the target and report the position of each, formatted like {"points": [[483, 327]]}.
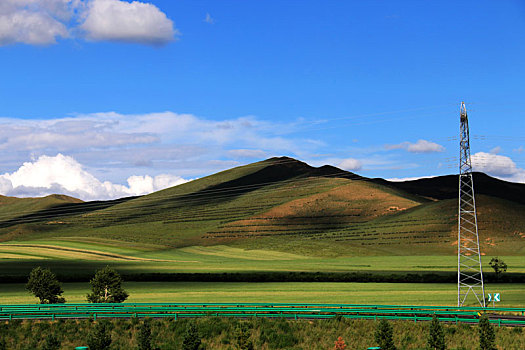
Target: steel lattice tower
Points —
{"points": [[470, 274]]}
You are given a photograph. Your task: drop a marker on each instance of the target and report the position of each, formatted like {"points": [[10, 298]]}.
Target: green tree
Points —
{"points": [[498, 265], [44, 285], [242, 336], [487, 336], [384, 336], [436, 336], [100, 336], [144, 337], [192, 339], [106, 287], [51, 343]]}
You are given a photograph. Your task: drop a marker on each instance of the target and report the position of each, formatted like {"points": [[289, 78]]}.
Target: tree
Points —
{"points": [[191, 340], [436, 336], [106, 287], [44, 285], [385, 336], [100, 337], [498, 265], [487, 336], [144, 338], [51, 343], [339, 344]]}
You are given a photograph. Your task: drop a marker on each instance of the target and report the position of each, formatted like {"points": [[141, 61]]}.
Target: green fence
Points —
{"points": [[500, 316]]}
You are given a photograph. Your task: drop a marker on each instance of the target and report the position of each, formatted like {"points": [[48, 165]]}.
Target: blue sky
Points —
{"points": [[201, 86]]}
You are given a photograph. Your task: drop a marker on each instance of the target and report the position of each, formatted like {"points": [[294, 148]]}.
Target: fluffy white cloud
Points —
{"points": [[421, 146], [64, 175], [350, 164], [137, 22], [42, 22], [497, 165], [33, 22]]}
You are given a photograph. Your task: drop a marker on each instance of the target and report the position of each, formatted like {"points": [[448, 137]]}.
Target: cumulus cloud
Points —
{"points": [[33, 22], [497, 165], [421, 146], [64, 175], [496, 150], [42, 22], [350, 164], [135, 22]]}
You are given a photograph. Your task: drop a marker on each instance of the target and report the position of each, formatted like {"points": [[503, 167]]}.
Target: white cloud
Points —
{"points": [[209, 19], [33, 22], [520, 150], [495, 150], [42, 22], [64, 175], [247, 153], [421, 146], [350, 164], [497, 165], [402, 179], [135, 22]]}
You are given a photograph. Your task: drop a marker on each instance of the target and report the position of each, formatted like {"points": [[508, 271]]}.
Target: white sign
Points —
{"points": [[496, 297]]}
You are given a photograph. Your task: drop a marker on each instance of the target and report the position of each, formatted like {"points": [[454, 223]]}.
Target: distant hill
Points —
{"points": [[287, 205]]}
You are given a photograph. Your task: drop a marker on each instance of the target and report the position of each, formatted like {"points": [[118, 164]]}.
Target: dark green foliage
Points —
{"points": [[487, 336], [100, 336], [44, 285], [144, 337], [436, 336], [498, 265], [3, 345], [106, 287], [192, 339], [51, 343], [384, 336], [276, 334], [242, 336]]}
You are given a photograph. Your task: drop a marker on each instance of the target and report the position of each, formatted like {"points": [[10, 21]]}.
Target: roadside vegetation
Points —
{"points": [[265, 334]]}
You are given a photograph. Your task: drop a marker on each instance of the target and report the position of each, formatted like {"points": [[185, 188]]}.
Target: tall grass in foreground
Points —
{"points": [[223, 333]]}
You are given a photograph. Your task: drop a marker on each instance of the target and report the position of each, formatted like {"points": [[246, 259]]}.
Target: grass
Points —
{"points": [[287, 292]]}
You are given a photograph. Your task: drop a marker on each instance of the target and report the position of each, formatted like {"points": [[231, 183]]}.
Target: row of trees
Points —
{"points": [[106, 287], [436, 337]]}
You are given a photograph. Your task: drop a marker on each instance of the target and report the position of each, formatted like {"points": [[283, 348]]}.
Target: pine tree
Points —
{"points": [[45, 286], [106, 287], [144, 338], [487, 336], [100, 337], [385, 336], [191, 340], [436, 336]]}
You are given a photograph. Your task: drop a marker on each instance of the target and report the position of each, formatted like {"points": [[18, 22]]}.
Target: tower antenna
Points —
{"points": [[470, 274]]}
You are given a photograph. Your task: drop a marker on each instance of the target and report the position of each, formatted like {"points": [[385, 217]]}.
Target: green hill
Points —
{"points": [[285, 205]]}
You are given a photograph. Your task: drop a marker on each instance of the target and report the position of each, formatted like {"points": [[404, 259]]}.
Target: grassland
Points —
{"points": [[285, 292]]}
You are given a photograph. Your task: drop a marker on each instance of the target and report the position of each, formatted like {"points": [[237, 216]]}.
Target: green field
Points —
{"points": [[17, 258], [310, 292]]}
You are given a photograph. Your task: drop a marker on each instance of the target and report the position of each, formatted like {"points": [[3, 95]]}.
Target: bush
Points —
{"points": [[384, 336], [436, 336], [44, 285], [100, 337], [242, 336], [191, 340], [51, 343], [487, 336], [144, 337]]}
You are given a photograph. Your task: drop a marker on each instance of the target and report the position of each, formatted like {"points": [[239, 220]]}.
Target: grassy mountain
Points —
{"points": [[286, 205]]}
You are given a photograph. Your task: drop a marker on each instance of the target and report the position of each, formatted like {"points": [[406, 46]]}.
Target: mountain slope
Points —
{"points": [[284, 204]]}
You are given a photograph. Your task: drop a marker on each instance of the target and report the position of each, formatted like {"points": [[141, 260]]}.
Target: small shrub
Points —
{"points": [[100, 337], [487, 336], [339, 344], [436, 336], [191, 340], [384, 336], [144, 337], [242, 336], [51, 343]]}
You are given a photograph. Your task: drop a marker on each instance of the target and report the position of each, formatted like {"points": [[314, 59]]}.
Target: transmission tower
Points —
{"points": [[470, 274]]}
